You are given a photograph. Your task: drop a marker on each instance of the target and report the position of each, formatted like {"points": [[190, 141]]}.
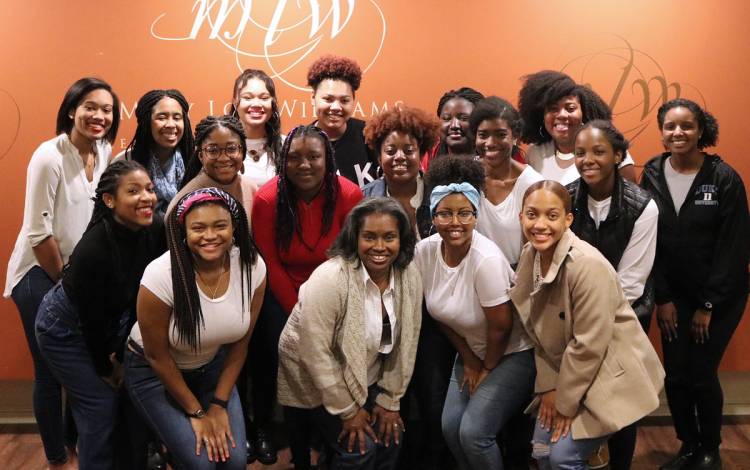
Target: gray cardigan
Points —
{"points": [[322, 357]]}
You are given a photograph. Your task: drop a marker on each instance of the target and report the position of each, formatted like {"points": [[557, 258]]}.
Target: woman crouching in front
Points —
{"points": [[348, 349], [596, 369], [197, 306]]}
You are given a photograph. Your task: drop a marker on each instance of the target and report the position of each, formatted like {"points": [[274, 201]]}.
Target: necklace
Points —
{"points": [[256, 151], [218, 280]]}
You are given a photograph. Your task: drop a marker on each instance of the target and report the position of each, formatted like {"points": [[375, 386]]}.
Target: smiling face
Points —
{"points": [[254, 104], [595, 159], [399, 158], [378, 244], [167, 123], [680, 132], [134, 200], [334, 104], [494, 141], [208, 231], [455, 124], [447, 220], [562, 120], [306, 166], [226, 166], [544, 220], [93, 116]]}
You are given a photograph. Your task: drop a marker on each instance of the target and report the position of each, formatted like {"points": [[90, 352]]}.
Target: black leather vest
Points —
{"points": [[613, 234]]}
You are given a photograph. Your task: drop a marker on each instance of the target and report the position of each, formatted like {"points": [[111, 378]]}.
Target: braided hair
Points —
{"points": [[287, 219], [187, 307], [141, 146], [202, 131], [273, 125], [469, 94], [108, 184]]}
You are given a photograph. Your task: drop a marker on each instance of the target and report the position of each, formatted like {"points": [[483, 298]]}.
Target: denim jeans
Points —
{"points": [[167, 418], [47, 394], [94, 403], [376, 456], [471, 422], [565, 454]]}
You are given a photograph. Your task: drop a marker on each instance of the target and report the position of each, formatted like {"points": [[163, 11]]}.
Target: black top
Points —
{"points": [[702, 253], [102, 281], [378, 188], [612, 236], [354, 159]]}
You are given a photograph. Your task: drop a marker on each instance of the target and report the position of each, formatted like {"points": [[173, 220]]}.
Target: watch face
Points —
{"points": [[200, 414], [708, 306]]}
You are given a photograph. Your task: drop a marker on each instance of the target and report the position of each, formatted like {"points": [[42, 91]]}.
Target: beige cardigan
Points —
{"points": [[322, 356], [589, 344]]}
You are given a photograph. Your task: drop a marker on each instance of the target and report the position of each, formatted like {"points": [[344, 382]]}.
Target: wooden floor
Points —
{"points": [[655, 445]]}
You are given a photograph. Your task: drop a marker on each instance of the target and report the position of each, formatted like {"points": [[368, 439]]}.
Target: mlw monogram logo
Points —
{"points": [[230, 21]]}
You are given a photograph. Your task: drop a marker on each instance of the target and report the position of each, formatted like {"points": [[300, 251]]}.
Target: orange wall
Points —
{"points": [[416, 50]]}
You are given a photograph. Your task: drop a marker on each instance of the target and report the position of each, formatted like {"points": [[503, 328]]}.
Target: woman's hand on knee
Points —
{"points": [[355, 429], [560, 427], [204, 436], [389, 424], [547, 410], [222, 431], [114, 379]]}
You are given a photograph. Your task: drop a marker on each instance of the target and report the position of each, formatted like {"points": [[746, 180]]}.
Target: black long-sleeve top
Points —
{"points": [[102, 281], [702, 252]]}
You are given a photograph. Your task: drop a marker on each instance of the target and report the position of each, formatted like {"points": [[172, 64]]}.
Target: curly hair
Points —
{"points": [[346, 242], [455, 169], [287, 219], [542, 90], [615, 138], [411, 121], [336, 68], [707, 123], [202, 130]]}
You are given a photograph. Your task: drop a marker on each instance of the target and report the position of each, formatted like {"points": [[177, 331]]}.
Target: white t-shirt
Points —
{"points": [[58, 202], [455, 295], [225, 320], [500, 222], [678, 184], [542, 159], [638, 257], [261, 171], [374, 303]]}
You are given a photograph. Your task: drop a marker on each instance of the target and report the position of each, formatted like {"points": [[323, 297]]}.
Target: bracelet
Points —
{"points": [[198, 414], [219, 402]]}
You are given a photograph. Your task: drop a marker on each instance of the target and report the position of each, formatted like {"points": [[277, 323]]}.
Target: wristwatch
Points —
{"points": [[708, 307], [199, 413]]}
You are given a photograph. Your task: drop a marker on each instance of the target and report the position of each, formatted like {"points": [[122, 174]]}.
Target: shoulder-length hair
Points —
{"points": [[73, 97], [347, 240]]}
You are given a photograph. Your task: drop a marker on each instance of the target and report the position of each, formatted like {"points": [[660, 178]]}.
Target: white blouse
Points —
{"points": [[58, 202]]}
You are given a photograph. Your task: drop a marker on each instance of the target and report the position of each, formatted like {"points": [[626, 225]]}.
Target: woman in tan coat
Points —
{"points": [[347, 351], [596, 369]]}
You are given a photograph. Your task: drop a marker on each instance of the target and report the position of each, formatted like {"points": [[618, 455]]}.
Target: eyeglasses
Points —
{"points": [[213, 152], [446, 217]]}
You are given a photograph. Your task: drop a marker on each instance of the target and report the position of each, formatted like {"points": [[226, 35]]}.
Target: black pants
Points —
{"points": [[692, 382], [424, 445], [261, 364]]}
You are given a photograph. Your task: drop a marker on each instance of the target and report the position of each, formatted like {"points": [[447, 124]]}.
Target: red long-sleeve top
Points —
{"points": [[288, 269]]}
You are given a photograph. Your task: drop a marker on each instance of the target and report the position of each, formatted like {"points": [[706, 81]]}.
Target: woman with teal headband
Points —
{"points": [[466, 279]]}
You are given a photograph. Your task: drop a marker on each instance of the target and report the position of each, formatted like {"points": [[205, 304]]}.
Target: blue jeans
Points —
{"points": [[47, 394], [167, 418], [471, 422], [376, 456], [94, 403], [565, 454]]}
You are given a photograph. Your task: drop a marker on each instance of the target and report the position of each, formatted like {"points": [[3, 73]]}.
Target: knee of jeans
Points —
{"points": [[539, 449], [676, 380], [356, 454], [561, 457], [471, 437]]}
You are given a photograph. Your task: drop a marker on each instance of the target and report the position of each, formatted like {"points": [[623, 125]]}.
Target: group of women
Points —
{"points": [[411, 271]]}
